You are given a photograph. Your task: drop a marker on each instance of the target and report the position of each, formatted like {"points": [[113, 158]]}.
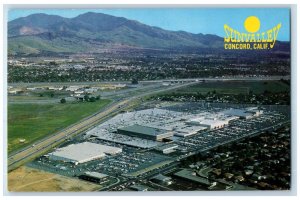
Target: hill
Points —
{"points": [[94, 32]]}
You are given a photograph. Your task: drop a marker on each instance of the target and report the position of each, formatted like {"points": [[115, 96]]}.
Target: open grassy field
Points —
{"points": [[25, 98], [236, 87], [35, 121], [26, 179]]}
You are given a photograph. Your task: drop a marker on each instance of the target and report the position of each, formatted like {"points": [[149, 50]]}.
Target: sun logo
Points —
{"points": [[252, 38], [252, 24]]}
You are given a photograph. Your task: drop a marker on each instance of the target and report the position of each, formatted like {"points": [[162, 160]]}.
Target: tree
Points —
{"points": [[134, 81], [53, 63], [92, 99], [98, 97], [63, 100], [266, 92], [250, 92], [86, 97]]}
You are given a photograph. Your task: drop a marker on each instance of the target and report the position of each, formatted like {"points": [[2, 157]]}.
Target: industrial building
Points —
{"points": [[243, 113], [148, 128], [94, 177], [213, 124], [83, 152], [166, 149], [209, 123], [125, 139], [190, 175], [145, 132], [161, 179], [187, 130], [255, 111], [139, 187]]}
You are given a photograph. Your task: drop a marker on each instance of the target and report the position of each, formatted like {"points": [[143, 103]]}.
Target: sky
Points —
{"points": [[194, 20]]}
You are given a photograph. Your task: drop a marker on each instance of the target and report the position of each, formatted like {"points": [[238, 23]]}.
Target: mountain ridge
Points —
{"points": [[92, 32]]}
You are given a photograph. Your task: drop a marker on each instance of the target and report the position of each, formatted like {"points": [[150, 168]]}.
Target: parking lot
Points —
{"points": [[235, 130], [136, 159], [130, 160]]}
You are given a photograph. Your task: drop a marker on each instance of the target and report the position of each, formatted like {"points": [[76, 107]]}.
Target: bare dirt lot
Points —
{"points": [[26, 179]]}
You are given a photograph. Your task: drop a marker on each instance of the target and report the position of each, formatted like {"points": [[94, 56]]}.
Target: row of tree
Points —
{"points": [[84, 98]]}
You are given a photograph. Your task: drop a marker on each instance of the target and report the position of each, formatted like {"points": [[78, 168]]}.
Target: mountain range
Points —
{"points": [[96, 32]]}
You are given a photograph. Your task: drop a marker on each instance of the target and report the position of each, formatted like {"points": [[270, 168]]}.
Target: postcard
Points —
{"points": [[149, 99]]}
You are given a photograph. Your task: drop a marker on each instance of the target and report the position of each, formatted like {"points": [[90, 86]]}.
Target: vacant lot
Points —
{"points": [[236, 87], [26, 179], [34, 121]]}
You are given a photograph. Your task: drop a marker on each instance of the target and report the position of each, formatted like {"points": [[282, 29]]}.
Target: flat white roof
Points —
{"points": [[83, 152], [212, 122], [188, 130], [237, 112], [166, 146], [95, 174], [125, 139]]}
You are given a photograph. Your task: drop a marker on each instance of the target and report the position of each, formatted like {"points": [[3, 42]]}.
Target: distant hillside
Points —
{"points": [[95, 31]]}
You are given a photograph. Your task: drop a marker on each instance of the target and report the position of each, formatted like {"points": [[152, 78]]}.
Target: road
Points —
{"points": [[20, 157], [176, 161], [46, 144], [221, 78]]}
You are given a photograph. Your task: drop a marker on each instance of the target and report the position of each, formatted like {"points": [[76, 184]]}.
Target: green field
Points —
{"points": [[35, 121], [25, 98], [236, 87]]}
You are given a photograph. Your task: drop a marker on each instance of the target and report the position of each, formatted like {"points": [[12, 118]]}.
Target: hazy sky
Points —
{"points": [[194, 20]]}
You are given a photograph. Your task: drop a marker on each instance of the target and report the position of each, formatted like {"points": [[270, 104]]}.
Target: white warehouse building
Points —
{"points": [[83, 152], [209, 123], [213, 124]]}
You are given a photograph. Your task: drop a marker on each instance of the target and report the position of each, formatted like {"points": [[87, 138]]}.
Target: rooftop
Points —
{"points": [[166, 146], [161, 177], [237, 112], [84, 151], [95, 174], [143, 130], [139, 187]]}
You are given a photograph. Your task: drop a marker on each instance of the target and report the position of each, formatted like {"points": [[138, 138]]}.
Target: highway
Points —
{"points": [[122, 100], [42, 146], [223, 78], [115, 96], [217, 78]]}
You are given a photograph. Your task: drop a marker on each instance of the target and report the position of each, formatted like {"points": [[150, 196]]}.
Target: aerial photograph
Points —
{"points": [[148, 99]]}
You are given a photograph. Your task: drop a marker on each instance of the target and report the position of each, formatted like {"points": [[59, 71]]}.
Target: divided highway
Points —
{"points": [[21, 157], [123, 101]]}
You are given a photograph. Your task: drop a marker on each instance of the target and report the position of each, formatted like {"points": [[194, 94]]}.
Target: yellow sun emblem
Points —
{"points": [[252, 24]]}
